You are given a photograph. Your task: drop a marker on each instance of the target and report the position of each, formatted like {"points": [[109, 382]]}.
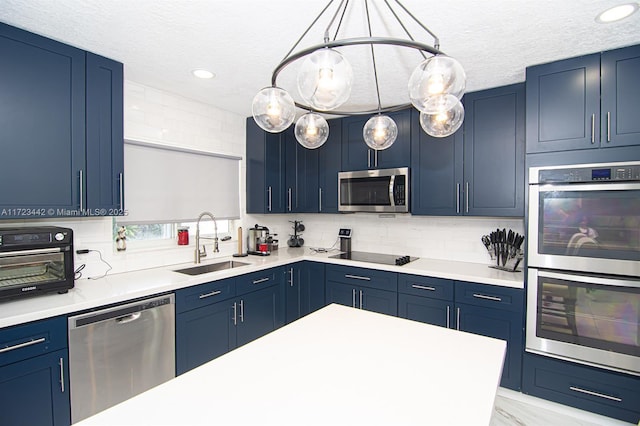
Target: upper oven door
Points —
{"points": [[591, 227]]}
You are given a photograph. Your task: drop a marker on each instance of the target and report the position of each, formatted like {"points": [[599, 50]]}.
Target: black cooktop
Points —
{"points": [[384, 259]]}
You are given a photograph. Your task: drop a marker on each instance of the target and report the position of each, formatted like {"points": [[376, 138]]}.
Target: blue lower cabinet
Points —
{"points": [[370, 299], [203, 334], [304, 289], [217, 317], [424, 309], [600, 391]]}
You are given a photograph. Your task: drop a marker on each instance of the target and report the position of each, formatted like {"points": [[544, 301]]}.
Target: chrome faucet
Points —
{"points": [[203, 253]]}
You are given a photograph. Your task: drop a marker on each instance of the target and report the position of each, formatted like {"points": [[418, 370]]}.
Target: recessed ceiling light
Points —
{"points": [[617, 13], [200, 73]]}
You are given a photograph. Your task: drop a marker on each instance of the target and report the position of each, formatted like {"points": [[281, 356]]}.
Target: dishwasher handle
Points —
{"points": [[122, 314]]}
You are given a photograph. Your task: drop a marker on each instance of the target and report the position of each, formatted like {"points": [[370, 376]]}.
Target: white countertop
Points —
{"points": [[116, 288], [339, 365]]}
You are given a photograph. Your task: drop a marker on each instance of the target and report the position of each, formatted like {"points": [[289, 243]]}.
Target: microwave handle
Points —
{"points": [[392, 182], [30, 252]]}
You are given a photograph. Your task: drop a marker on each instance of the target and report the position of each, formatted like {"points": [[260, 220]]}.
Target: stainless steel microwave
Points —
{"points": [[385, 190]]}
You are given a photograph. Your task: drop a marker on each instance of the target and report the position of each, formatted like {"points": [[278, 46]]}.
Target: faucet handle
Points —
{"points": [[216, 249], [203, 252]]}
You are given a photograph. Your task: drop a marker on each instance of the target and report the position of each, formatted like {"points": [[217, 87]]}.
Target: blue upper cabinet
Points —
{"points": [[265, 170], [494, 133], [42, 125], [620, 97], [105, 138], [587, 102], [63, 134], [301, 176], [479, 170], [356, 155], [329, 164]]}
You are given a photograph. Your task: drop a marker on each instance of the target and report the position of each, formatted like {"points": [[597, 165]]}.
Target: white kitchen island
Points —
{"points": [[337, 366]]}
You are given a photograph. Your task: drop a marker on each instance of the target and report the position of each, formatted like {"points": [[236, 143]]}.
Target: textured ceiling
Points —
{"points": [[241, 41]]}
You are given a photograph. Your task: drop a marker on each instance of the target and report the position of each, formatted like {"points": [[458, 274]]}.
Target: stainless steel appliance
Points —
{"points": [[119, 352], [384, 190], [583, 279], [345, 239], [35, 260], [384, 259], [258, 241]]}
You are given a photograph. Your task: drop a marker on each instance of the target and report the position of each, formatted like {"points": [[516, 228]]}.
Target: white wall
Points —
{"points": [[153, 115]]}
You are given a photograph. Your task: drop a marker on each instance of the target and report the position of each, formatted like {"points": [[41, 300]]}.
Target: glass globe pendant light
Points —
{"points": [[434, 77], [311, 130], [444, 122], [325, 79], [380, 132], [273, 109]]}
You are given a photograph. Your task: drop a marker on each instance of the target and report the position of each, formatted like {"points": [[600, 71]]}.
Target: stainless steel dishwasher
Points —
{"points": [[119, 352]]}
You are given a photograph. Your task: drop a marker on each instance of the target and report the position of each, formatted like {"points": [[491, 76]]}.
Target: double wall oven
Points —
{"points": [[583, 282]]}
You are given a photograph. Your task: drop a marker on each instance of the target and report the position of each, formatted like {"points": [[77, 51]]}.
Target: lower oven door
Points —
{"points": [[585, 318]]}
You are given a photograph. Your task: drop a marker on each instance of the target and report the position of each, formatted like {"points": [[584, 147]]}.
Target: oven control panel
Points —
{"points": [[590, 174]]}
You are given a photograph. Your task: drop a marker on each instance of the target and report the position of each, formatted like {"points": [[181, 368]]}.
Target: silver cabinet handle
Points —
{"points": [[361, 299], [375, 157], [368, 158], [353, 298], [61, 375], [593, 128], [81, 190], [291, 277], [289, 196], [241, 310], [357, 277], [22, 345], [320, 200], [466, 197], [458, 319], [483, 296], [121, 191], [213, 293], [269, 198], [600, 395], [608, 126], [261, 280], [235, 311], [458, 197], [448, 320], [423, 287]]}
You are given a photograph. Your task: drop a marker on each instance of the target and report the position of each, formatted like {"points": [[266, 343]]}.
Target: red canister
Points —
{"points": [[183, 236]]}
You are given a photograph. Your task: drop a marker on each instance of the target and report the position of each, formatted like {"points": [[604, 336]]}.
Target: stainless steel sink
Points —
{"points": [[211, 267]]}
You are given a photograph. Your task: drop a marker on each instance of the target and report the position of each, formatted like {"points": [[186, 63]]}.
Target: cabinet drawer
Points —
{"points": [[608, 393], [204, 294], [32, 339], [490, 296], [257, 280], [363, 277], [436, 288]]}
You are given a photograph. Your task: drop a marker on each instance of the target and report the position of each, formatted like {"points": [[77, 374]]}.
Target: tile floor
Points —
{"points": [[516, 409]]}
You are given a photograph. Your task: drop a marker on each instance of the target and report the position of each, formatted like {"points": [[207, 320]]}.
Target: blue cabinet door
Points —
{"points": [[563, 105], [105, 138], [36, 391], [203, 334], [329, 164], [500, 324], [259, 312], [381, 301], [436, 172], [342, 294], [42, 120], [301, 176], [304, 289], [620, 93], [424, 309], [265, 170], [494, 151], [356, 155]]}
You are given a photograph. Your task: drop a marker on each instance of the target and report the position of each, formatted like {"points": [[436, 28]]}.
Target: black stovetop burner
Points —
{"points": [[384, 259]]}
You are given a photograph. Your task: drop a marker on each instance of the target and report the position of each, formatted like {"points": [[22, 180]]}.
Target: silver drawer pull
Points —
{"points": [[213, 293], [261, 280], [600, 395], [483, 296], [357, 277], [423, 287], [22, 345]]}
